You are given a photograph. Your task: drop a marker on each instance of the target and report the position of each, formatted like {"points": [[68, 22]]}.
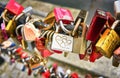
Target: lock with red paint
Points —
{"points": [[96, 26], [63, 16], [14, 7]]}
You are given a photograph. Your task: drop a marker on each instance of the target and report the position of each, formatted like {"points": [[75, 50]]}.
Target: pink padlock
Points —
{"points": [[63, 16], [13, 7]]}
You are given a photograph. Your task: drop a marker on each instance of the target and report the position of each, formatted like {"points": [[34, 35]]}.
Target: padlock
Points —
{"points": [[62, 42], [12, 7], [110, 19], [10, 28], [30, 33], [116, 57], [82, 16], [63, 16], [117, 9], [35, 61], [79, 43], [4, 31], [97, 24], [108, 41]]}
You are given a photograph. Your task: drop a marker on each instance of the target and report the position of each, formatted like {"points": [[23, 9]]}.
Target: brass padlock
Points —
{"points": [[108, 42], [10, 28], [80, 44], [36, 61], [81, 18]]}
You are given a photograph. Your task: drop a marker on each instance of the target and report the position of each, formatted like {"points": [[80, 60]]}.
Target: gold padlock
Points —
{"points": [[36, 61], [10, 28], [79, 43], [108, 42]]}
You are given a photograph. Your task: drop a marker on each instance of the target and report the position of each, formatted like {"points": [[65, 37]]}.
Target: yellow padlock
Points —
{"points": [[108, 42], [10, 28]]}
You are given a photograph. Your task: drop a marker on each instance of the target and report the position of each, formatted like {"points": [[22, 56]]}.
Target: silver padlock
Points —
{"points": [[62, 42]]}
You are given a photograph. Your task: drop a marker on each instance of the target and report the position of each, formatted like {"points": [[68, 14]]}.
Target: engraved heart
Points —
{"points": [[63, 40]]}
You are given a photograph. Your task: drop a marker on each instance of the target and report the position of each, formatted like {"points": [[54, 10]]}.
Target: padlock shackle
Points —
{"points": [[84, 26], [64, 29], [76, 27], [115, 24], [18, 27], [4, 15]]}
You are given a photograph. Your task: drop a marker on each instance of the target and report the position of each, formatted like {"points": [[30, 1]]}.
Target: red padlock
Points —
{"points": [[63, 16], [96, 26], [13, 7]]}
